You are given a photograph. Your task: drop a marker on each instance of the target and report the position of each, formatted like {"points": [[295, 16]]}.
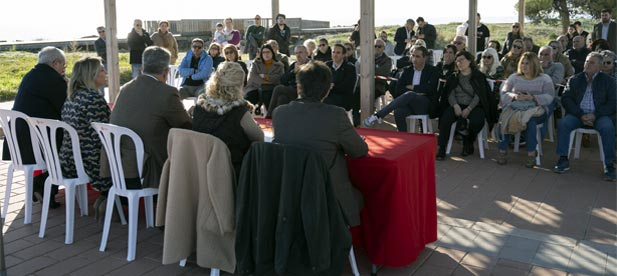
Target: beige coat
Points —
{"points": [[167, 41], [196, 201]]}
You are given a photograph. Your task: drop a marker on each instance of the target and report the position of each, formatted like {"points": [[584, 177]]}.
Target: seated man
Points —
{"points": [[578, 53], [41, 94], [286, 91], [150, 107], [383, 66], [325, 129], [555, 70], [195, 70], [419, 85], [589, 105], [343, 78]]}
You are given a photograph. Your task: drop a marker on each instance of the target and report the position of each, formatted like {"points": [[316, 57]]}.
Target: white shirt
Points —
{"points": [[416, 77]]}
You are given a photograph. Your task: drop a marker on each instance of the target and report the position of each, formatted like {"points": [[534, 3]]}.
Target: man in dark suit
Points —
{"points": [[150, 107], [343, 79], [41, 94], [577, 53], [590, 107], [100, 46], [426, 32], [606, 29], [287, 90], [325, 129], [416, 91], [403, 36]]}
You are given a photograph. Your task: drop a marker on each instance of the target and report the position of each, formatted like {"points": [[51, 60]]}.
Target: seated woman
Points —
{"points": [[608, 64], [489, 65], [528, 84], [222, 112], [447, 65], [265, 74], [325, 129], [215, 53], [468, 95], [510, 61], [231, 54], [83, 106]]}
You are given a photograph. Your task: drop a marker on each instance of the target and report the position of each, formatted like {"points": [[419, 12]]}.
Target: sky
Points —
{"points": [[68, 19]]}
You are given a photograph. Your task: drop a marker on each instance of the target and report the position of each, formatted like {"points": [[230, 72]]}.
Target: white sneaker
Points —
{"points": [[370, 121]]}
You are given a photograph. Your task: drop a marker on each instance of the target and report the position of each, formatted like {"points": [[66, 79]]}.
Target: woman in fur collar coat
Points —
{"points": [[222, 112]]}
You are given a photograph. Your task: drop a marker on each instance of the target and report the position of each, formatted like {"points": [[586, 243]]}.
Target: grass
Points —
{"points": [[14, 65]]}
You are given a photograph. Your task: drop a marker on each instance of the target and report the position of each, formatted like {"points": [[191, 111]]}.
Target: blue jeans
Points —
{"points": [[530, 134], [604, 125], [136, 70], [404, 105]]}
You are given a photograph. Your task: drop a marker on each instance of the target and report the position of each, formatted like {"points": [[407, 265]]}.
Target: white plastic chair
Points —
{"points": [[482, 139], [579, 136], [427, 125], [7, 120], [172, 76], [110, 137], [352, 262], [46, 130], [517, 142]]}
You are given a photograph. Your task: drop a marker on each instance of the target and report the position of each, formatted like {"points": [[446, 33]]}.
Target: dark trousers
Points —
{"points": [[407, 104], [259, 96], [281, 95], [476, 123], [344, 101]]}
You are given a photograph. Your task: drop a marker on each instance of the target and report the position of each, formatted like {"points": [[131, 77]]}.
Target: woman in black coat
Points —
{"points": [[468, 95]]}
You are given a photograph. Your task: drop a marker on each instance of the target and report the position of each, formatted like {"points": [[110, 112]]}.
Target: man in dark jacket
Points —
{"points": [[426, 32], [343, 79], [287, 90], [606, 29], [417, 94], [254, 38], [578, 53], [589, 106], [41, 94], [100, 46], [281, 33], [403, 36], [138, 39]]}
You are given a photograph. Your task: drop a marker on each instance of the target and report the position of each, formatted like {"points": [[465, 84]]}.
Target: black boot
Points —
{"points": [[441, 154], [467, 147]]}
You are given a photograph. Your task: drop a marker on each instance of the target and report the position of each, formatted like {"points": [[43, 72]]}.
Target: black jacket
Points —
{"points": [[430, 35], [41, 94], [344, 80], [603, 90], [478, 81], [399, 38], [137, 45], [288, 221], [283, 38]]}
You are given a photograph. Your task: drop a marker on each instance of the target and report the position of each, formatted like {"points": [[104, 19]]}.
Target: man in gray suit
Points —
{"points": [[325, 129], [150, 107]]}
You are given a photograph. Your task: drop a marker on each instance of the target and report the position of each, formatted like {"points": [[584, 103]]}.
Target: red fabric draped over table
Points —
{"points": [[397, 180]]}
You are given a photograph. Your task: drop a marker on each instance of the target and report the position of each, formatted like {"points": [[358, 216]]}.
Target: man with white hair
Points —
{"points": [[41, 94], [555, 70]]}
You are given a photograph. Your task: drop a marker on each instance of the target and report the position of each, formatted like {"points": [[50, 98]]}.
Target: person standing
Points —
{"points": [[100, 45], [138, 39], [164, 38], [482, 34], [41, 94], [254, 38], [579, 29], [606, 29], [403, 36], [426, 32], [516, 33], [281, 33]]}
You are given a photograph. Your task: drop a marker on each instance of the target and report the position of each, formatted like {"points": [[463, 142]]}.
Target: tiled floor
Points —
{"points": [[493, 220]]}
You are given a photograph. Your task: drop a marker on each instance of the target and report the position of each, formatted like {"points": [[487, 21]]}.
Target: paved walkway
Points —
{"points": [[493, 220]]}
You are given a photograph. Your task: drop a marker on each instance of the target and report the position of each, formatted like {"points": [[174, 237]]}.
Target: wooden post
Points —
{"points": [[111, 32], [521, 15], [367, 57], [275, 10], [472, 28]]}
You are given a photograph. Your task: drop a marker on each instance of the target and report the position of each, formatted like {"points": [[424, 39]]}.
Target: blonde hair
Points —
{"points": [[84, 75], [233, 49], [227, 82], [493, 69], [533, 61]]}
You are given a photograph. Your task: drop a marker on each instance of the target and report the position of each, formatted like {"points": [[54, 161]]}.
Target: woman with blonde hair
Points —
{"points": [[310, 47], [164, 38], [489, 65], [528, 86], [223, 112], [83, 106]]}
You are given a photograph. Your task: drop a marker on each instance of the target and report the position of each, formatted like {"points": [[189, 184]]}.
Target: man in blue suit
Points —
{"points": [[589, 101], [403, 36]]}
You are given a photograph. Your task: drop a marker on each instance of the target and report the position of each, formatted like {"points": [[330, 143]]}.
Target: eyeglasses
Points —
{"points": [[457, 42], [608, 62], [229, 52], [517, 47], [215, 48], [487, 57], [515, 27], [196, 47], [378, 46]]}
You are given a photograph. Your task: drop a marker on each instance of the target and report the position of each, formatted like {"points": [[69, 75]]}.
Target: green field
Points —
{"points": [[14, 65]]}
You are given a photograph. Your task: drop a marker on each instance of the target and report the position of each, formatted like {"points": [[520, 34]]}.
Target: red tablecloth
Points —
{"points": [[397, 180]]}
